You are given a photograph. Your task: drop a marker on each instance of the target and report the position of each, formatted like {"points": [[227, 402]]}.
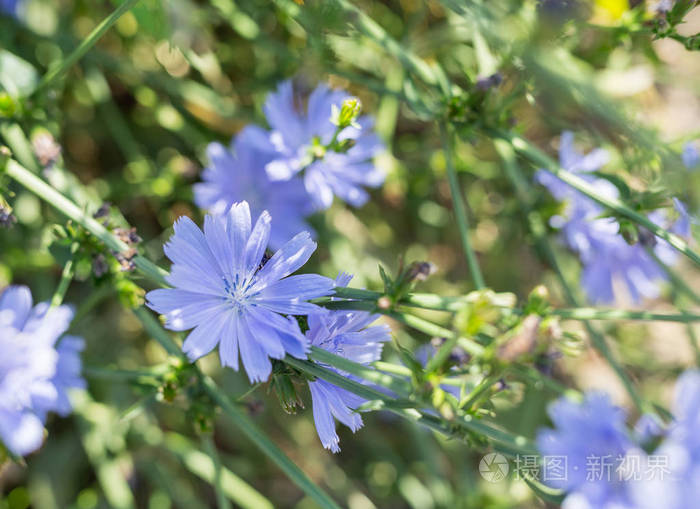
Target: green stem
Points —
{"points": [[210, 449], [59, 70], [154, 329], [541, 159], [479, 391], [371, 29], [253, 433], [459, 208], [66, 278], [623, 314], [72, 211], [366, 373]]}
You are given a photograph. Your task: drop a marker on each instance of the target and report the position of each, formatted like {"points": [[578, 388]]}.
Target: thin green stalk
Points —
{"points": [[366, 301], [539, 378], [253, 433], [681, 288], [66, 278], [522, 186], [72, 211], [459, 208], [479, 391], [205, 466], [366, 373], [62, 67], [356, 293], [210, 449], [543, 160], [371, 29], [623, 314], [154, 329], [20, 145], [442, 354], [92, 300], [677, 281]]}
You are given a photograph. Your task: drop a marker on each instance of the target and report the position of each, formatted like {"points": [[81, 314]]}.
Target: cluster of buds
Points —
{"points": [[404, 283], [127, 235], [7, 219]]}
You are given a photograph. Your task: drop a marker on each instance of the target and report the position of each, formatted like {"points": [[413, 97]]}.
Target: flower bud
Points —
{"points": [[347, 114]]}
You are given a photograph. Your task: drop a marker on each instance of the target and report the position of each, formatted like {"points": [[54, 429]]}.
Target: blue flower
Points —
{"points": [[605, 255], [676, 485], [348, 334], [35, 374], [9, 6], [301, 140], [591, 435], [222, 292], [690, 155], [238, 174]]}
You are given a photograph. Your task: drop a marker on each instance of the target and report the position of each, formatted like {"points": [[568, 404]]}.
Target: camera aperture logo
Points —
{"points": [[494, 467]]}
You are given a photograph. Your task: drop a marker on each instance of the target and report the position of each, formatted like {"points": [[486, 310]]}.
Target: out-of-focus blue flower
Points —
{"points": [[68, 374], [676, 480], [301, 138], [690, 155], [238, 174], [591, 435], [347, 334], [9, 6], [35, 374], [222, 292], [605, 255]]}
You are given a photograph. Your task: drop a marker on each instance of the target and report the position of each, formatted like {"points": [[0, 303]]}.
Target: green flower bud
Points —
{"points": [[347, 114]]}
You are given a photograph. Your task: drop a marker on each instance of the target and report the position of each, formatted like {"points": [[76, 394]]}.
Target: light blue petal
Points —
{"points": [[219, 243], [228, 348], [289, 258], [255, 361], [238, 230], [323, 418], [267, 336], [291, 337], [21, 432], [187, 278], [15, 305], [298, 288], [282, 115], [257, 242], [205, 336], [184, 310]]}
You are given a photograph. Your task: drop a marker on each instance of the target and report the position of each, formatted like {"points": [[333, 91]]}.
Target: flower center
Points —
{"points": [[238, 290]]}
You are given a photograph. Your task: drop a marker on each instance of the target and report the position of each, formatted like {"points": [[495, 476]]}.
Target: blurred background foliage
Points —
{"points": [[131, 123]]}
